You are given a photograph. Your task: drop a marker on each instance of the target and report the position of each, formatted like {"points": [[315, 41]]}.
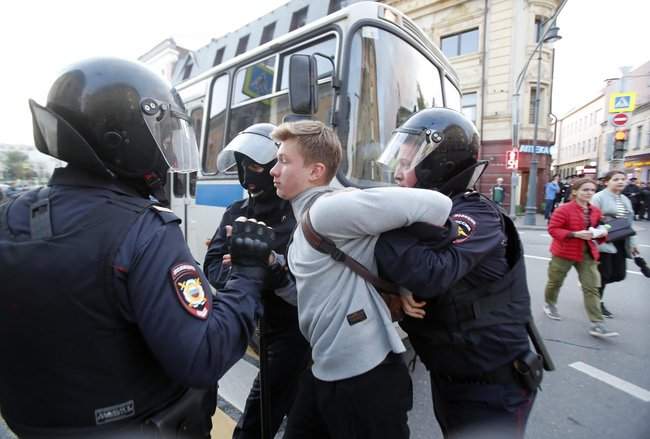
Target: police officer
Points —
{"points": [[106, 320], [467, 315], [284, 352]]}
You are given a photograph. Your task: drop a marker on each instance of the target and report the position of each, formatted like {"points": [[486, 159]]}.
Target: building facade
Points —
{"points": [[578, 140], [164, 57]]}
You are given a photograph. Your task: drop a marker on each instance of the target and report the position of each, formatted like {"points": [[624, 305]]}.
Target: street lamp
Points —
{"points": [[549, 35]]}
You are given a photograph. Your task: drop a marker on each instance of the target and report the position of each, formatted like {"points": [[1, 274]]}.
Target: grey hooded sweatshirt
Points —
{"points": [[342, 316]]}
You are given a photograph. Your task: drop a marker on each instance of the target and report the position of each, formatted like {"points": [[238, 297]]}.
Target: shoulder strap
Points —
{"points": [[327, 246]]}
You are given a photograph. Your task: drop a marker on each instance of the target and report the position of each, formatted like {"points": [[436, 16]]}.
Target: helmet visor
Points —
{"points": [[257, 147], [172, 130], [404, 151]]}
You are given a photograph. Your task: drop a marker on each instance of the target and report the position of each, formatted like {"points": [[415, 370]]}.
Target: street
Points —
{"points": [[601, 387]]}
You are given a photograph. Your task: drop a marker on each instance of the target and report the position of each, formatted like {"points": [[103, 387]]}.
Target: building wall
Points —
{"points": [[579, 139]]}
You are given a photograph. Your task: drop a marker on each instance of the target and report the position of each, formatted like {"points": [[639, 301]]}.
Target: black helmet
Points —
{"points": [[117, 118], [253, 145], [440, 146]]}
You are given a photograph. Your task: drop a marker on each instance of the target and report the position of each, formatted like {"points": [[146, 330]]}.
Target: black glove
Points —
{"points": [[250, 247], [642, 265]]}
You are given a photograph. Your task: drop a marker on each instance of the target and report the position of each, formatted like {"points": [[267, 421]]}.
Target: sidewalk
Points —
{"points": [[540, 223]]}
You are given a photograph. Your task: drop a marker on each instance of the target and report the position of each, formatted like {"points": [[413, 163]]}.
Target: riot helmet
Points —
{"points": [[436, 148], [116, 118], [253, 152]]}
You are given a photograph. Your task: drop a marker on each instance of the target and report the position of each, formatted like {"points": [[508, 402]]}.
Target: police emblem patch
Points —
{"points": [[466, 226], [187, 283]]}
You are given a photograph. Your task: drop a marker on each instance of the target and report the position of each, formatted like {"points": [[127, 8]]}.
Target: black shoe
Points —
{"points": [[605, 311]]}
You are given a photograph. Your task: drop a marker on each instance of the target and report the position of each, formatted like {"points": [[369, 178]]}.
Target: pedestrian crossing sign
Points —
{"points": [[622, 102]]}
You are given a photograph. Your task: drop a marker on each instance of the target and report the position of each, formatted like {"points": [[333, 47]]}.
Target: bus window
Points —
{"points": [[326, 47], [383, 94], [179, 184], [216, 124], [452, 94], [254, 81]]}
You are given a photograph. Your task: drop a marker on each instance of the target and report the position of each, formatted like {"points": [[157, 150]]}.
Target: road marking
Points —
{"points": [[545, 235], [643, 245], [541, 258], [613, 381]]}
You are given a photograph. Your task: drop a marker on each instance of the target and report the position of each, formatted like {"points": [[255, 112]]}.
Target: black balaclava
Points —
{"points": [[263, 200]]}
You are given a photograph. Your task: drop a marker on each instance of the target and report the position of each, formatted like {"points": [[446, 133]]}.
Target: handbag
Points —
{"points": [[617, 228]]}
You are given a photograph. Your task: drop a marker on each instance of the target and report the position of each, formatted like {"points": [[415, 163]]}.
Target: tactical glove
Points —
{"points": [[642, 265], [250, 247]]}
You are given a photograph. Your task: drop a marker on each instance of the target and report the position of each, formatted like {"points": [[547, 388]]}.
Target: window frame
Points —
{"points": [[293, 25], [459, 44]]}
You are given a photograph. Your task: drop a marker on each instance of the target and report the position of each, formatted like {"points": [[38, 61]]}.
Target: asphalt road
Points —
{"points": [[601, 388], [574, 404]]}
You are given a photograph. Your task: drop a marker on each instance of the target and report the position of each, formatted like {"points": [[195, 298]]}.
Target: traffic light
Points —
{"points": [[619, 144]]}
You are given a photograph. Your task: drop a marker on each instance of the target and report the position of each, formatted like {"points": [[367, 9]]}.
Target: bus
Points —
{"points": [[362, 70]]}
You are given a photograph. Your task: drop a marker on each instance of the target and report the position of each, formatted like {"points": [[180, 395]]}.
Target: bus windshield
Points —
{"points": [[389, 81]]}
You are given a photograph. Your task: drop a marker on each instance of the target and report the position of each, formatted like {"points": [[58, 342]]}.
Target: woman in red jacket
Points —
{"points": [[573, 227]]}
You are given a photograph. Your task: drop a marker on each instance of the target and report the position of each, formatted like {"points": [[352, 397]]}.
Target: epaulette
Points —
{"points": [[165, 214]]}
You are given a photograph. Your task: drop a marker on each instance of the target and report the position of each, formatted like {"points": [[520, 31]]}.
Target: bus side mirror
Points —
{"points": [[303, 84]]}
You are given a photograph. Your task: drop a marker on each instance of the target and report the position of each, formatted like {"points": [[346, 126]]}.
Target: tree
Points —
{"points": [[16, 165]]}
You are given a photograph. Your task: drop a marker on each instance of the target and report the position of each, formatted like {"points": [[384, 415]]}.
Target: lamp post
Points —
{"points": [[549, 35]]}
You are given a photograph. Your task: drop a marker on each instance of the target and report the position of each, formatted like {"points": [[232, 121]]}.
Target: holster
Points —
{"points": [[529, 368], [187, 418]]}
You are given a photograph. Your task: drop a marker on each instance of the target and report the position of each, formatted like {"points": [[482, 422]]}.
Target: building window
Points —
{"points": [[531, 111], [218, 57], [187, 70], [242, 45], [539, 27], [639, 138], [335, 5], [469, 106], [460, 44], [299, 18], [267, 33], [595, 147]]}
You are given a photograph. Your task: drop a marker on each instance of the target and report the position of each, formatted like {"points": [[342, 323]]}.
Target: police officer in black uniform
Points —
{"points": [[467, 315], [284, 352], [108, 326]]}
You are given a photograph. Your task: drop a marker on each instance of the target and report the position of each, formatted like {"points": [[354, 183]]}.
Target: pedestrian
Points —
{"points": [[633, 192], [498, 192], [551, 189], [469, 308], [566, 196], [574, 227], [284, 351], [614, 204], [112, 329], [644, 195], [358, 385]]}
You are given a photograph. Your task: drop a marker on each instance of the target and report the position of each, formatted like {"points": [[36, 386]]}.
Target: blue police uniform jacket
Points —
{"points": [[104, 319], [478, 302]]}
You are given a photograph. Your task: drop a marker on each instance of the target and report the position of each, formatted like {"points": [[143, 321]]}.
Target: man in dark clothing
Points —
{"points": [[468, 324], [633, 192], [284, 351], [105, 312], [644, 195]]}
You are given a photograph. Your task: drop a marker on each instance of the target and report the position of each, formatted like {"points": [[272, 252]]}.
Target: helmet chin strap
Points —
{"points": [[155, 186], [459, 183]]}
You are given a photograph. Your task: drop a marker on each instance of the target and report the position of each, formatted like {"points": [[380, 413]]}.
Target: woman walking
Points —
{"points": [[614, 204], [573, 227]]}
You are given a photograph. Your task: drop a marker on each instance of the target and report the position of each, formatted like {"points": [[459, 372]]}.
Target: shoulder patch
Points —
{"points": [[190, 293], [466, 226]]}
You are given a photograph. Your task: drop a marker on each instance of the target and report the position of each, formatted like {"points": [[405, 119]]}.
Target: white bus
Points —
{"points": [[374, 68]]}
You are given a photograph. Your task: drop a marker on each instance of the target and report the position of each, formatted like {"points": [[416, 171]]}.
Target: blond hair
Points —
{"points": [[317, 142]]}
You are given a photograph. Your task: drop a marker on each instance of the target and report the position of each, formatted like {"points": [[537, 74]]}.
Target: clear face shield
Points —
{"points": [[172, 130], [257, 147], [405, 150]]}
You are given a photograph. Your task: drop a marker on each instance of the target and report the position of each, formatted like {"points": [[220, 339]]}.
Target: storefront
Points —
{"points": [[638, 166]]}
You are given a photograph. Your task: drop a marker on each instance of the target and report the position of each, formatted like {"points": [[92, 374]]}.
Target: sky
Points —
{"points": [[38, 38]]}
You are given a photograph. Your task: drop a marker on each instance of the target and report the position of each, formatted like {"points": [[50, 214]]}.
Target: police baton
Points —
{"points": [[265, 395], [540, 347]]}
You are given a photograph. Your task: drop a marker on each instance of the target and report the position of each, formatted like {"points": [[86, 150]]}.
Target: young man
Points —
{"points": [[358, 386], [551, 189]]}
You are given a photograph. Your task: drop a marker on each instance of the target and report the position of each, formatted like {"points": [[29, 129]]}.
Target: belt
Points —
{"points": [[501, 375]]}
